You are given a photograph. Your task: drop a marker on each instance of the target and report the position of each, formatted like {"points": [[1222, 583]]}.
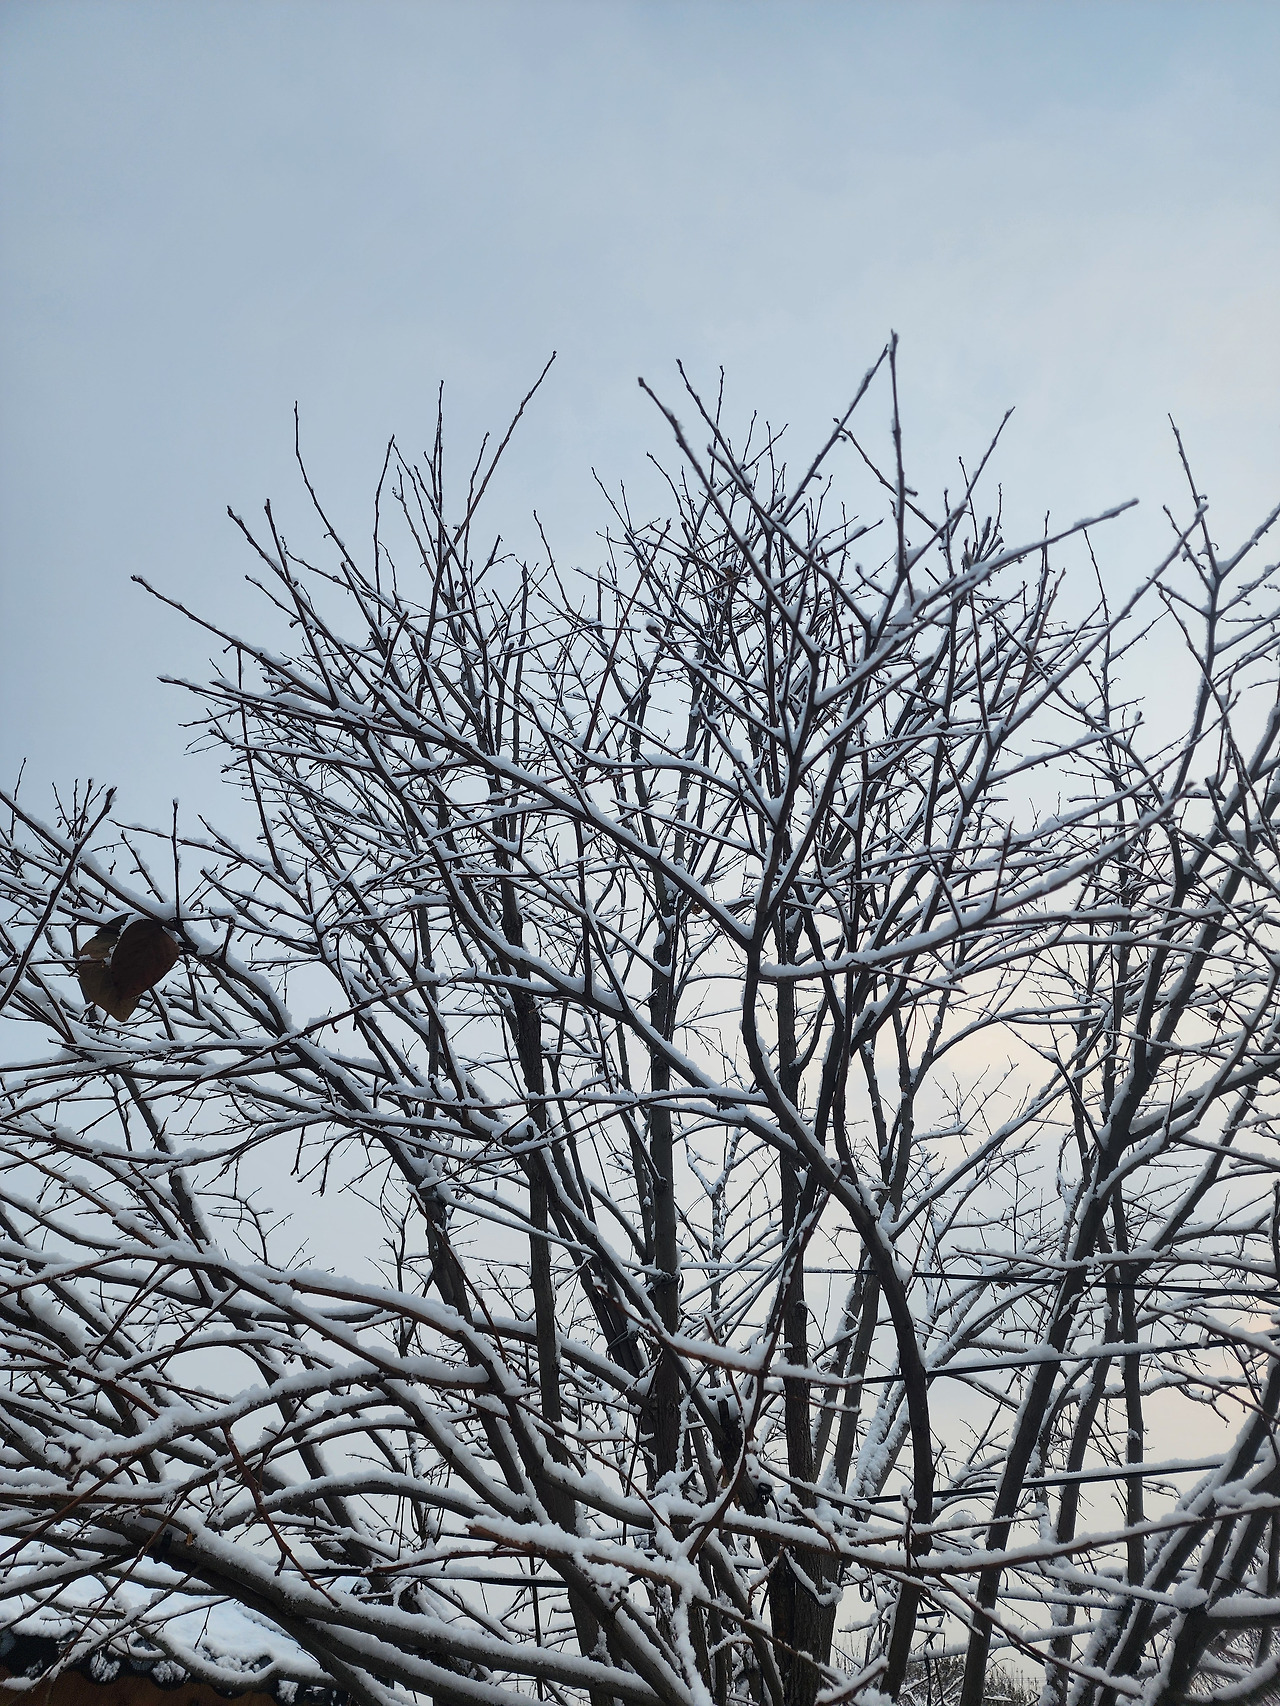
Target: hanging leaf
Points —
{"points": [[114, 970]]}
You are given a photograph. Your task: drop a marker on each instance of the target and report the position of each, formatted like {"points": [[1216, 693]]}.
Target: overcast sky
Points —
{"points": [[215, 207]]}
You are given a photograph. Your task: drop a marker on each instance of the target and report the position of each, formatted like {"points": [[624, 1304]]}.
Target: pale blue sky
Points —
{"points": [[210, 208]]}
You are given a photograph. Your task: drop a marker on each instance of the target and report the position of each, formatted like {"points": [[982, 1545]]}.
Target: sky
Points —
{"points": [[213, 210]]}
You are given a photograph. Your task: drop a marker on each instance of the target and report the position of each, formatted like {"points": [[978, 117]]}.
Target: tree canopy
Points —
{"points": [[808, 1045]]}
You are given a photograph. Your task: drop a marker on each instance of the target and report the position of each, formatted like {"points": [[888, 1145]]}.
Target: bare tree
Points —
{"points": [[812, 1050]]}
